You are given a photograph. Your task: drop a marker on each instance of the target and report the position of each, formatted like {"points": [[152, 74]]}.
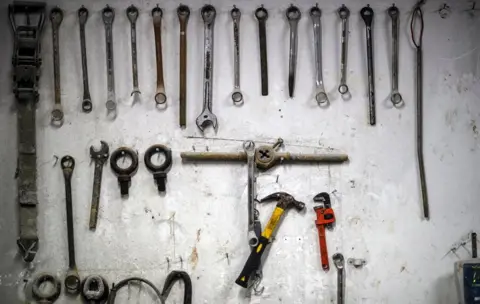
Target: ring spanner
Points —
{"points": [[132, 15], [183, 13], [237, 96], [262, 15], [56, 17], [254, 225], [367, 15], [320, 94], [293, 16], [157, 14], [108, 15], [395, 96], [82, 20], [344, 14]]}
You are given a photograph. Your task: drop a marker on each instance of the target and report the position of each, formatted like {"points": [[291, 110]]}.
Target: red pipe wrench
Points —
{"points": [[325, 219]]}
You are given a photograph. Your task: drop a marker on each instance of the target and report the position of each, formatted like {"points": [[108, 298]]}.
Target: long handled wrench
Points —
{"points": [[56, 17], [183, 13], [157, 14], [344, 14], [254, 225], [262, 15], [207, 117], [293, 16], [320, 94], [395, 96], [237, 96], [132, 15], [367, 15], [108, 15], [87, 101], [339, 262]]}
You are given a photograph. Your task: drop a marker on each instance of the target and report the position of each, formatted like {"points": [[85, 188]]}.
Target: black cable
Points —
{"points": [[417, 14], [116, 288]]}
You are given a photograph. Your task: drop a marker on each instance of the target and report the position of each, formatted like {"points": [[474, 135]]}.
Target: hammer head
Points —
{"points": [[285, 201]]}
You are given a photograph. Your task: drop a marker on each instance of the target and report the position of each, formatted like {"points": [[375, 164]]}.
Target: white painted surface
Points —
{"points": [[202, 218]]}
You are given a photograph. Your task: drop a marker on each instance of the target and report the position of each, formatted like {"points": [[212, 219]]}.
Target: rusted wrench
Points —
{"points": [[56, 17], [99, 157], [132, 15], [367, 15], [395, 96], [237, 96], [157, 14], [87, 101], [183, 13], [108, 15]]}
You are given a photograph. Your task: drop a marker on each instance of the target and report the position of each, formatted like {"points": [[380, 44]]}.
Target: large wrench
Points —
{"points": [[56, 17], [82, 20], [237, 96], [367, 15], [395, 96], [293, 16], [344, 14], [262, 15], [320, 94], [99, 157], [183, 13], [207, 117], [254, 225], [339, 262], [157, 14], [108, 15], [132, 15]]}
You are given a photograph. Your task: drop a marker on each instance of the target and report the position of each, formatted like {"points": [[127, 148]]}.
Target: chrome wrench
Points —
{"points": [[344, 14], [254, 225], [262, 15], [395, 96], [207, 117], [157, 14], [87, 101], [56, 17], [183, 13], [237, 96], [339, 262], [108, 15], [367, 15], [320, 94], [132, 15], [293, 16]]}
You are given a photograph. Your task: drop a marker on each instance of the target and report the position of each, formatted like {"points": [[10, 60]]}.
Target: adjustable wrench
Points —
{"points": [[132, 15], [262, 15], [157, 14], [207, 117], [293, 16], [395, 96], [367, 15], [320, 94], [56, 17], [99, 157], [344, 14], [82, 19], [183, 13], [108, 15], [339, 262], [237, 96], [254, 225]]}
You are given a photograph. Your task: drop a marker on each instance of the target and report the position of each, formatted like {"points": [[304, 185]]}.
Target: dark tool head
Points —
{"points": [[367, 15], [68, 164], [323, 198], [338, 260], [393, 12], [108, 15], [235, 13], [325, 214], [183, 12], [124, 174], [315, 12], [159, 171], [95, 289], [46, 295], [100, 154], [132, 13], [208, 13], [261, 13], [265, 155], [285, 201], [293, 13], [82, 14], [72, 282], [343, 12]]}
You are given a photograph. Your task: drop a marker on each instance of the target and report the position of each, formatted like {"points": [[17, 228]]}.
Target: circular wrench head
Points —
{"points": [[293, 13], [338, 260], [396, 98], [56, 15], [235, 13], [87, 106], [261, 14], [248, 145], [67, 162], [95, 288], [82, 14], [124, 152], [158, 149], [208, 13], [111, 105], [160, 98], [108, 14], [57, 115], [132, 13], [343, 12], [367, 15], [101, 153], [321, 98], [393, 11], [343, 89], [72, 284], [237, 97], [49, 295], [315, 12], [183, 11], [157, 12]]}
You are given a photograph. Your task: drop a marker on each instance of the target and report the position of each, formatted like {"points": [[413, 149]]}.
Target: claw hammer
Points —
{"points": [[325, 219]]}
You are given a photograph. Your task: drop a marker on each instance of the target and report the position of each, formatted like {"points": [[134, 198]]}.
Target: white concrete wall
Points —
{"points": [[202, 218]]}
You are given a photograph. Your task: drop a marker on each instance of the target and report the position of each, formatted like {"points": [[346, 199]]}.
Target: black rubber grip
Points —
{"points": [[253, 263]]}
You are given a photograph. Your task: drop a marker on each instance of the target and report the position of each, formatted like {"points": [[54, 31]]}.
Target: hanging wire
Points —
{"points": [[417, 15]]}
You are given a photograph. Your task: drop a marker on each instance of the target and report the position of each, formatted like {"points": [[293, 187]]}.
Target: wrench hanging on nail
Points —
{"points": [[132, 15], [108, 15], [293, 16], [344, 14], [367, 15], [207, 117], [237, 96], [157, 14], [262, 15], [82, 19], [183, 13], [56, 17], [395, 96], [320, 94], [254, 225]]}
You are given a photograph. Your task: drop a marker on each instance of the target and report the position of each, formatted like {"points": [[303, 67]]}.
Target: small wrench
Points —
{"points": [[157, 14], [183, 13], [262, 15], [344, 14], [254, 225], [87, 101], [99, 157], [108, 15], [207, 117], [395, 96], [293, 16], [132, 15], [367, 15], [72, 280], [320, 94], [339, 262], [56, 17], [237, 96]]}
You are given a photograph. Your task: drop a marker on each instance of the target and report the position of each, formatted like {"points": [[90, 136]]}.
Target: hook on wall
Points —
{"points": [[444, 11]]}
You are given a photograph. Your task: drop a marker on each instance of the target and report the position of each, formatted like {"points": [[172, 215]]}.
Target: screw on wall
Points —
{"points": [[472, 11], [444, 11]]}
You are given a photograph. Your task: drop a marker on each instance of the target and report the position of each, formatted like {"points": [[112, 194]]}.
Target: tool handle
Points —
{"points": [[323, 247], [213, 156], [253, 263]]}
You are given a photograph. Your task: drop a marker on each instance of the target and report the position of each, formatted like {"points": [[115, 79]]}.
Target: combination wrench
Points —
{"points": [[183, 13], [293, 16], [82, 20], [56, 17], [339, 262], [395, 96], [72, 280], [320, 94], [108, 15], [157, 14], [207, 117], [367, 15], [254, 225], [344, 14], [99, 157], [237, 96], [262, 15], [132, 15]]}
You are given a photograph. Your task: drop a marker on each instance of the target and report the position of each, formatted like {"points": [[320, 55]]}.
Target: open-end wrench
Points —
{"points": [[320, 94], [108, 15], [367, 15], [262, 15], [207, 117], [293, 16], [254, 225], [344, 14], [395, 96], [72, 280], [56, 17], [157, 14], [82, 20], [132, 15], [183, 13], [237, 96], [99, 157], [339, 262]]}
